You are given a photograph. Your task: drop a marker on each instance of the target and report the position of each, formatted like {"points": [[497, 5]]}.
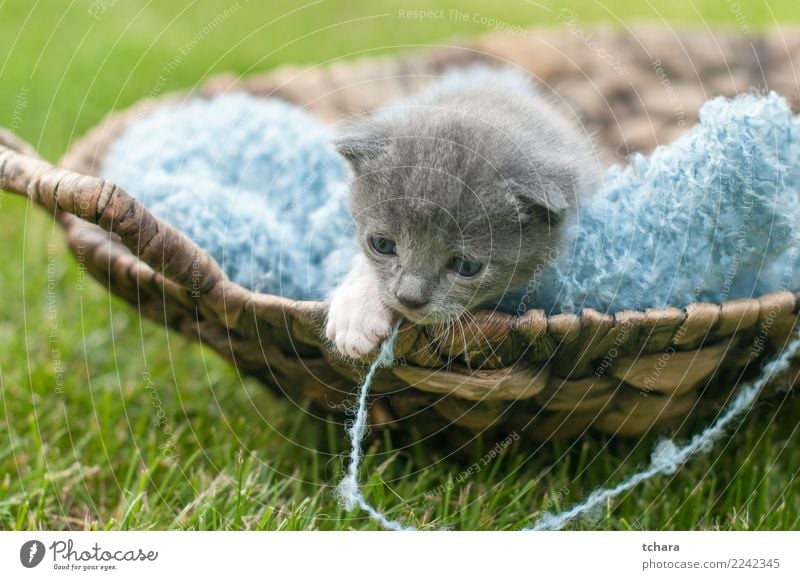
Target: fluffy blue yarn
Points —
{"points": [[258, 184], [255, 182], [710, 217]]}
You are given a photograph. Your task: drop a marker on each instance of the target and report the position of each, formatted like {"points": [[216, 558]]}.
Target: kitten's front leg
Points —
{"points": [[357, 318]]}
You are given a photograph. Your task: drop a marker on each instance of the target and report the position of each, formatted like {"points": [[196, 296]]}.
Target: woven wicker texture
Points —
{"points": [[540, 376]]}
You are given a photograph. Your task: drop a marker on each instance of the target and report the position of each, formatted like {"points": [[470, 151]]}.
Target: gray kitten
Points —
{"points": [[457, 195]]}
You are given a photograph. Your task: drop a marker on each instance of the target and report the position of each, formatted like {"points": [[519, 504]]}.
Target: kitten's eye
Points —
{"points": [[464, 267], [383, 245]]}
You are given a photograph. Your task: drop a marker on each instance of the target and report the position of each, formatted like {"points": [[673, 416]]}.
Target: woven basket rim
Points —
{"points": [[560, 373]]}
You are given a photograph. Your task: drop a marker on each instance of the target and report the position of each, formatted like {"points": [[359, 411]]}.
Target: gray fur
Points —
{"points": [[483, 168]]}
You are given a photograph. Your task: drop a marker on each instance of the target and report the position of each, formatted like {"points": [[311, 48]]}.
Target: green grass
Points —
{"points": [[82, 441]]}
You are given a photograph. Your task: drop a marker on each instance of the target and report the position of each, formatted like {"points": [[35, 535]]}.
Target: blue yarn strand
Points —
{"points": [[349, 490], [668, 457]]}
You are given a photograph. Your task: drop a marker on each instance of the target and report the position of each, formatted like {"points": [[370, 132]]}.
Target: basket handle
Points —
{"points": [[157, 243]]}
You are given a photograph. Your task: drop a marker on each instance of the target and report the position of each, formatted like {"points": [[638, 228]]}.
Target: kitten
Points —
{"points": [[457, 196]]}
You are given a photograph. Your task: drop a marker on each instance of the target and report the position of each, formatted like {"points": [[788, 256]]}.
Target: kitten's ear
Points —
{"points": [[359, 148], [540, 197]]}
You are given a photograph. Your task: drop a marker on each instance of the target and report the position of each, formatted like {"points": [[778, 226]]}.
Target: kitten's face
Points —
{"points": [[442, 244], [434, 262], [448, 218]]}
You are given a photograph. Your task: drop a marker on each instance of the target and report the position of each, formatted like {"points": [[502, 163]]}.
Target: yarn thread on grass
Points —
{"points": [[349, 491], [666, 458]]}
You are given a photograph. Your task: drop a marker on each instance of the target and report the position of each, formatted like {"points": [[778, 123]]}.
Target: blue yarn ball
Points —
{"points": [[712, 216], [257, 183]]}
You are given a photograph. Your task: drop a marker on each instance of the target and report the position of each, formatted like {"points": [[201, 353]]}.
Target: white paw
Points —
{"points": [[357, 323]]}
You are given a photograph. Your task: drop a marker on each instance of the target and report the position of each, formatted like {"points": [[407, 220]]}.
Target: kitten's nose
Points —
{"points": [[412, 290], [412, 302]]}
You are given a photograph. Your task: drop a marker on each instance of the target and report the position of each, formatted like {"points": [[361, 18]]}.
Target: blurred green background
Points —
{"points": [[88, 453]]}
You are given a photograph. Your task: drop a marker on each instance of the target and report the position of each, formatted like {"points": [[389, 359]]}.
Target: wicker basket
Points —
{"points": [[622, 373]]}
